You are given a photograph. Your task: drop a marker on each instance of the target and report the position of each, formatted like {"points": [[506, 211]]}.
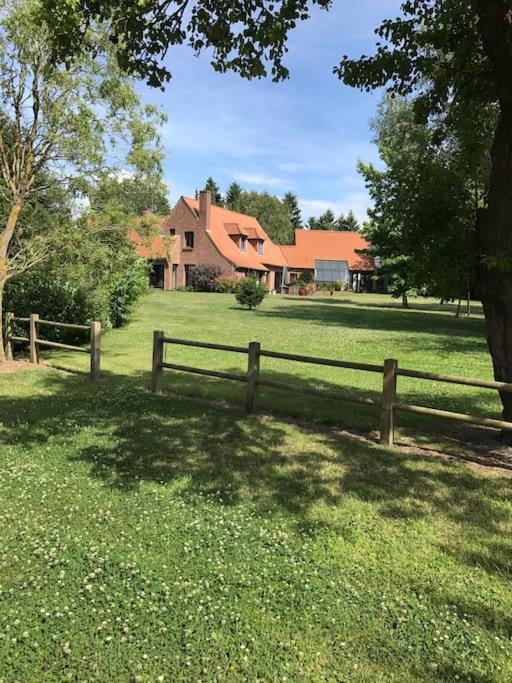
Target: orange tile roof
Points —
{"points": [[329, 245], [248, 226]]}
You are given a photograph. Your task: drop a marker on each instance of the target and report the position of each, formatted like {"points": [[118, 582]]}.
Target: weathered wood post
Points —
{"points": [[9, 317], [95, 349], [253, 375], [388, 400], [34, 351], [158, 359]]}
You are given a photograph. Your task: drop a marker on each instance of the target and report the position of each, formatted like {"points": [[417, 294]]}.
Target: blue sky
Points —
{"points": [[305, 134]]}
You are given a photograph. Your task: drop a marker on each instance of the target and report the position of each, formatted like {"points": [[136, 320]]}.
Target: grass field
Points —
{"points": [[157, 538]]}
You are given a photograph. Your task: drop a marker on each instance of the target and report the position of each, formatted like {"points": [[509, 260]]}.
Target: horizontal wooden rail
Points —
{"points": [[459, 417], [367, 367], [389, 370], [59, 345], [70, 326], [454, 379], [323, 393], [207, 373], [35, 341], [205, 345]]}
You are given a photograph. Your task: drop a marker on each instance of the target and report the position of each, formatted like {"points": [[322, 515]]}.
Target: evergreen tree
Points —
{"points": [[212, 187], [233, 197], [327, 221], [291, 202], [348, 222]]}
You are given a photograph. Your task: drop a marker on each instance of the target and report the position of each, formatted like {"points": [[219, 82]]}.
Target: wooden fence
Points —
{"points": [[390, 371], [34, 342]]}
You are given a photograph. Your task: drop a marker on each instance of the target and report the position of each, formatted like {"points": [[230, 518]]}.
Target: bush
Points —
{"points": [[83, 279], [225, 284], [338, 285], [306, 277], [250, 293], [203, 276]]}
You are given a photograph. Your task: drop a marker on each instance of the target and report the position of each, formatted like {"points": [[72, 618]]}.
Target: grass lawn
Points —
{"points": [[149, 538]]}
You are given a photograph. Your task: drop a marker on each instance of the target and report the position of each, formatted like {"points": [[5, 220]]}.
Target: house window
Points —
{"points": [[172, 231], [331, 271], [260, 247], [243, 243], [189, 240]]}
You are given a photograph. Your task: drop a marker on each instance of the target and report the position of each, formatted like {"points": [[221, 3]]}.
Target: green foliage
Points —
{"points": [[250, 293], [423, 217], [349, 222], [225, 284], [328, 221], [250, 39], [233, 197], [212, 187], [305, 278], [87, 276], [292, 204], [133, 194], [271, 213], [203, 277]]}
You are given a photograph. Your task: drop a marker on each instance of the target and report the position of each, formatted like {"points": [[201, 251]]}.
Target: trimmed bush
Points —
{"points": [[203, 276], [250, 293], [225, 284]]}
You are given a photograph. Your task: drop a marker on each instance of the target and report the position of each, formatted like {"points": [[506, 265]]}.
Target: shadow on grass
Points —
{"points": [[129, 435]]}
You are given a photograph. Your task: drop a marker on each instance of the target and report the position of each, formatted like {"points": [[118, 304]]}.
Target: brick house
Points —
{"points": [[202, 232]]}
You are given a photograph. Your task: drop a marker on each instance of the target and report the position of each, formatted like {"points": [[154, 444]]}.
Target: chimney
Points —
{"points": [[205, 204]]}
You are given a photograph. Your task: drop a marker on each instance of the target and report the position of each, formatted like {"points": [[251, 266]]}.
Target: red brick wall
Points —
{"points": [[182, 220]]}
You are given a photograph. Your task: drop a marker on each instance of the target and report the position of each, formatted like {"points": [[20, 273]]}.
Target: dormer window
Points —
{"points": [[260, 247], [243, 243]]}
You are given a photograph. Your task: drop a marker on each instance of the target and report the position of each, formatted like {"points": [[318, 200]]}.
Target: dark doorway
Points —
{"points": [[174, 275], [157, 276], [278, 282]]}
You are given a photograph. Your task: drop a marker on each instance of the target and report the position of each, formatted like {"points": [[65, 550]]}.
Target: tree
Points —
{"points": [[246, 37], [203, 277], [292, 204], [134, 194], [271, 213], [348, 222], [455, 57], [250, 293], [422, 221], [326, 221], [53, 127], [212, 187], [233, 197]]}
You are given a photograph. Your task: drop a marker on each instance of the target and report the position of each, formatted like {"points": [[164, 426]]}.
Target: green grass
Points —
{"points": [[159, 538]]}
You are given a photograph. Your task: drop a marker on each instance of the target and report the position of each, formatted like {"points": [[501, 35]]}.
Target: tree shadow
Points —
{"points": [[136, 436]]}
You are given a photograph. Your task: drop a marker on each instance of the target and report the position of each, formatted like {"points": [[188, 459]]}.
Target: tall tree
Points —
{"points": [[292, 204], [348, 222], [271, 213], [456, 57], [326, 221], [212, 187], [134, 194], [53, 126], [233, 197]]}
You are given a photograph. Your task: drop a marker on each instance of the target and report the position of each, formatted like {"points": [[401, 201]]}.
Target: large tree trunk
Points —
{"points": [[494, 224], [5, 240]]}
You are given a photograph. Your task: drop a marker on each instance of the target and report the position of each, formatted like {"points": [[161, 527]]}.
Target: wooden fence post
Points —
{"points": [[388, 401], [8, 334], [95, 349], [253, 375], [34, 351], [158, 359]]}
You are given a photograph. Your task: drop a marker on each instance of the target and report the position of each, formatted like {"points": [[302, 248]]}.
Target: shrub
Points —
{"points": [[203, 276], [250, 293], [338, 285], [306, 277], [225, 284]]}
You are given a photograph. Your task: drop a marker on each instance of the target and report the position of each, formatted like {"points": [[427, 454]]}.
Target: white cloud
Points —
{"points": [[352, 201], [260, 179]]}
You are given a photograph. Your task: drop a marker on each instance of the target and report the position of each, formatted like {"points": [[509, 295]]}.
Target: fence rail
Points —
{"points": [[34, 341], [390, 371]]}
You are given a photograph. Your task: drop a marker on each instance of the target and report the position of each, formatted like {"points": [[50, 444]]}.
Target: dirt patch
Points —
{"points": [[14, 366]]}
